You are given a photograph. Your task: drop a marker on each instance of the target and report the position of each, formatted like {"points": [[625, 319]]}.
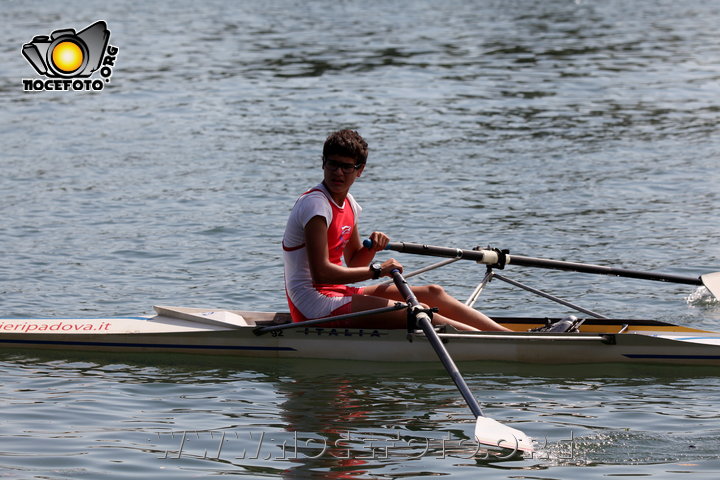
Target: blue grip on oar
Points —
{"points": [[367, 243]]}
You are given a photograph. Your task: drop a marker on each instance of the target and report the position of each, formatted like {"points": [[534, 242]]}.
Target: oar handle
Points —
{"points": [[487, 257], [367, 243]]}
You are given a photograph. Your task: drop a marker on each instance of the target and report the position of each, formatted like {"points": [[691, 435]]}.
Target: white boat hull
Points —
{"points": [[598, 342]]}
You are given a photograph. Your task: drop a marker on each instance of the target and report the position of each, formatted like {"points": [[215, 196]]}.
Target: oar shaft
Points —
{"points": [[423, 320], [491, 257], [587, 268], [320, 321], [430, 250]]}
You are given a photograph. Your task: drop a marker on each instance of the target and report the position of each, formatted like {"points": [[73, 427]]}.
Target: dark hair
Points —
{"points": [[346, 143]]}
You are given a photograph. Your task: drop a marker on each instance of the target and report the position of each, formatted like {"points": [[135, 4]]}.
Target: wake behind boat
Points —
{"points": [[238, 333]]}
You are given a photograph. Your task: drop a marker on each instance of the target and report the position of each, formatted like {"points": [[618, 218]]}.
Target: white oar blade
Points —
{"points": [[712, 283], [492, 433]]}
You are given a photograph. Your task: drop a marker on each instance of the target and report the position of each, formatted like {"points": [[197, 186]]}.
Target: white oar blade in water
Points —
{"points": [[492, 433], [712, 283]]}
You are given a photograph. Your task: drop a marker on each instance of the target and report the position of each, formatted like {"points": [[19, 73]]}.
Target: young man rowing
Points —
{"points": [[322, 229]]}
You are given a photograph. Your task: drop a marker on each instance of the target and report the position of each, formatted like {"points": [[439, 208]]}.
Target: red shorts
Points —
{"points": [[333, 291]]}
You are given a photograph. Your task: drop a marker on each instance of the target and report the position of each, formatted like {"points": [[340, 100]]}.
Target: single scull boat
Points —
{"points": [[272, 335], [235, 332]]}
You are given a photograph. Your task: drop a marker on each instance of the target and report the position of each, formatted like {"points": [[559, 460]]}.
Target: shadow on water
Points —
{"points": [[292, 418], [349, 419]]}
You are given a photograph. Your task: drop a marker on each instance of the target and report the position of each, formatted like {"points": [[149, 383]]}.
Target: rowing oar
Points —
{"points": [[488, 432], [497, 258], [320, 321]]}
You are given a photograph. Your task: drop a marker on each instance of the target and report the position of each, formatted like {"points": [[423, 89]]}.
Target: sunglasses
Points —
{"points": [[332, 165]]}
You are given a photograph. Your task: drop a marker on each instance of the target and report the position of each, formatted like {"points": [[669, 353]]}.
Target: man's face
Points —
{"points": [[340, 173]]}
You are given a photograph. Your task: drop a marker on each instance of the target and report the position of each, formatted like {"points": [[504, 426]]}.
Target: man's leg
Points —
{"points": [[396, 319], [451, 310]]}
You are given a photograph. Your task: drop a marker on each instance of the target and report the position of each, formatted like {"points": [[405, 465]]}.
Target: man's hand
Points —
{"points": [[388, 266], [379, 241]]}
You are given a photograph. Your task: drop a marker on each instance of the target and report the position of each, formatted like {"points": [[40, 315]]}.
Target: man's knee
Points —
{"points": [[435, 291]]}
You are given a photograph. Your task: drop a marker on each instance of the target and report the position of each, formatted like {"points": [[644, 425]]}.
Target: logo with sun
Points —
{"points": [[66, 57]]}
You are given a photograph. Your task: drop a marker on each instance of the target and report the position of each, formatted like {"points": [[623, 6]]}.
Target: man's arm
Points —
{"points": [[356, 255], [324, 271]]}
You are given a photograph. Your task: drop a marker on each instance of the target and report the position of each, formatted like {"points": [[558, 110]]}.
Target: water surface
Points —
{"points": [[583, 131]]}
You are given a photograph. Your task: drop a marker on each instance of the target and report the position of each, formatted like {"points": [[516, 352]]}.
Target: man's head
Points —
{"points": [[344, 156], [348, 144]]}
